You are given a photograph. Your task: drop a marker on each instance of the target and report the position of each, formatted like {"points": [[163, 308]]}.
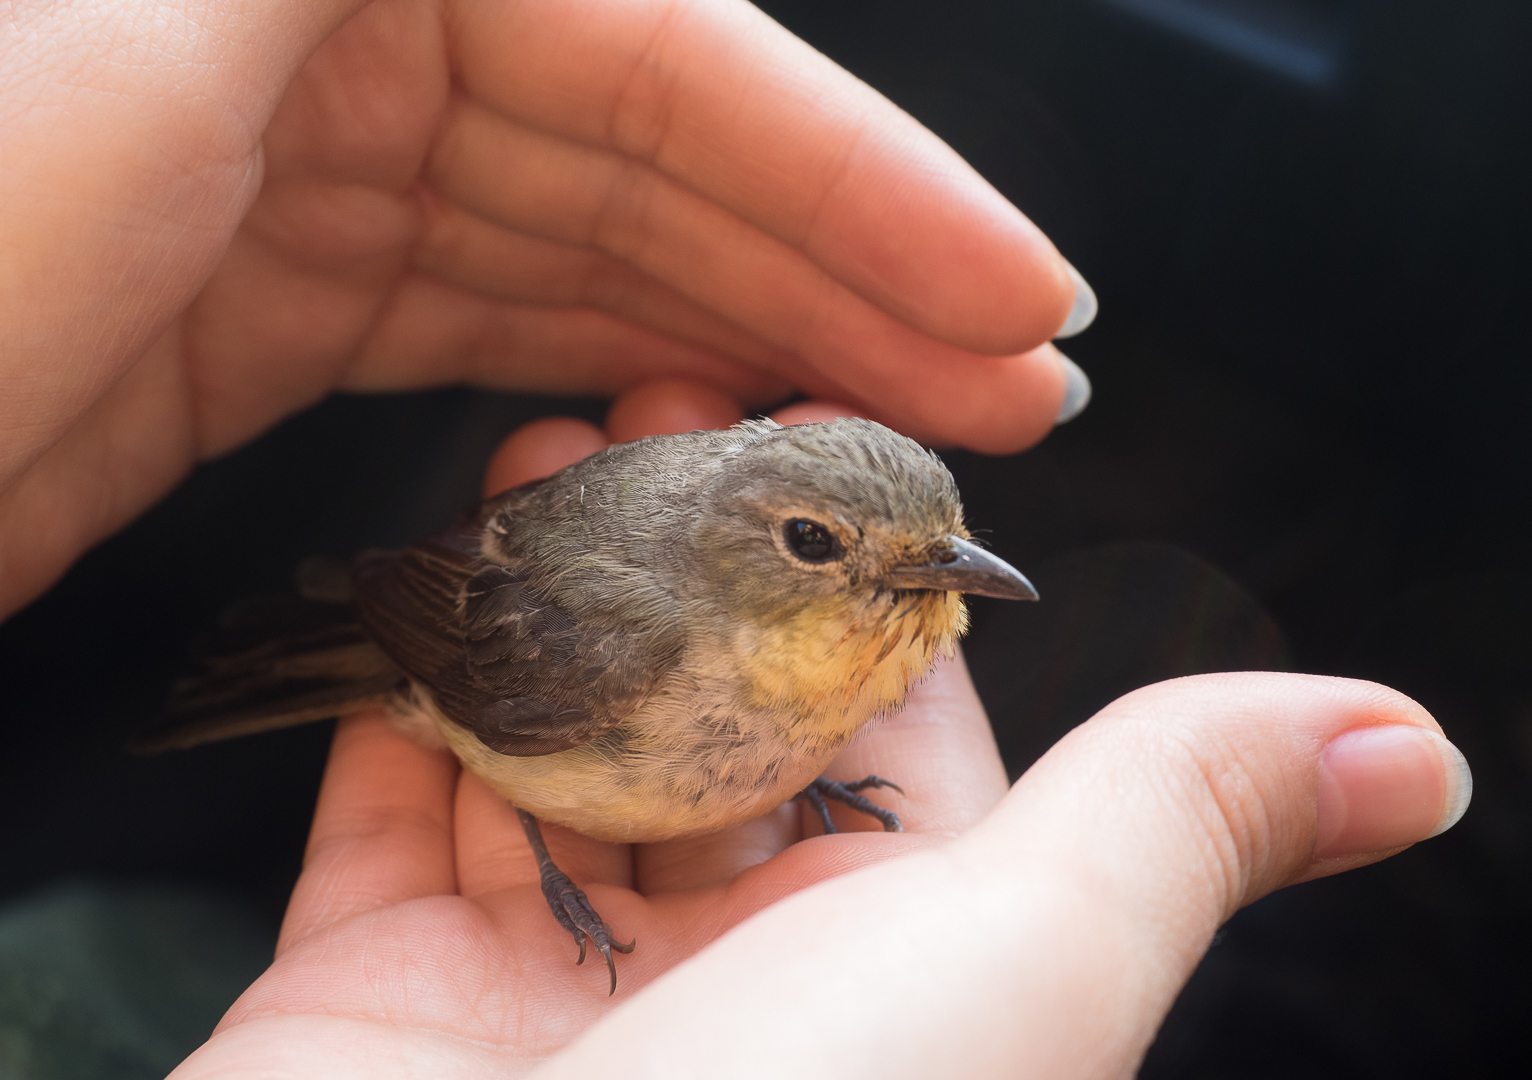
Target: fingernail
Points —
{"points": [[1084, 311], [1076, 391], [1387, 786]]}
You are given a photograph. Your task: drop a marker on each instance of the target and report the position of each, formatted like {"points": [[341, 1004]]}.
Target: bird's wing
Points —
{"points": [[501, 658]]}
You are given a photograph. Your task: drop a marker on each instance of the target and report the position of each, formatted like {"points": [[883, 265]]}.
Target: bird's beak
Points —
{"points": [[960, 566]]}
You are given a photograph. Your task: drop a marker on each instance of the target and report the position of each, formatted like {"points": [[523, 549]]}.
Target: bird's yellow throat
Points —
{"points": [[830, 665]]}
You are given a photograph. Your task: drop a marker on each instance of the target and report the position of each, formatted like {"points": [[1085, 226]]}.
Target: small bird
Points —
{"points": [[670, 637]]}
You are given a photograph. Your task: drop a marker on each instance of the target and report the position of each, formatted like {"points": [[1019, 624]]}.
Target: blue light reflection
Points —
{"points": [[1304, 42]]}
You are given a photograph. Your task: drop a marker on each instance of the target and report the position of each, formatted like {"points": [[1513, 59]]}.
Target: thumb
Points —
{"points": [[1051, 940]]}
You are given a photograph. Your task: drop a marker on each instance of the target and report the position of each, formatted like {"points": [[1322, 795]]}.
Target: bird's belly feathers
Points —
{"points": [[685, 763], [735, 731]]}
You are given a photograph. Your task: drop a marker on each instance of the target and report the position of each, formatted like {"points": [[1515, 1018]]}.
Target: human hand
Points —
{"points": [[219, 213], [1043, 932]]}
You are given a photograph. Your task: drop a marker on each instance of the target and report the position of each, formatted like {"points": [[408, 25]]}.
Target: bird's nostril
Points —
{"points": [[947, 556]]}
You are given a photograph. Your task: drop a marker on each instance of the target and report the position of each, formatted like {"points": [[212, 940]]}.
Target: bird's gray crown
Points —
{"points": [[854, 466], [706, 511]]}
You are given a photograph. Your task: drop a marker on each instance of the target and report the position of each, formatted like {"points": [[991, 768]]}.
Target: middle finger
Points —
{"points": [[474, 253], [556, 189]]}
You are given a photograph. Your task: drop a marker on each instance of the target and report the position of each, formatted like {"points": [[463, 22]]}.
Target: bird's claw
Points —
{"points": [[570, 906], [574, 913], [821, 790]]}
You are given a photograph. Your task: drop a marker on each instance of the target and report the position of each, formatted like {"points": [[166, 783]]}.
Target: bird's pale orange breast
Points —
{"points": [[831, 667]]}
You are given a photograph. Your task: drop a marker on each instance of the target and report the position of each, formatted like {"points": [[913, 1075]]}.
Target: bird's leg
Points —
{"points": [[820, 790], [568, 903]]}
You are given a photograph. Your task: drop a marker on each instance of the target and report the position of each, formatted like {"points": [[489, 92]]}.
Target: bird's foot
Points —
{"points": [[569, 904], [820, 790], [574, 913]]}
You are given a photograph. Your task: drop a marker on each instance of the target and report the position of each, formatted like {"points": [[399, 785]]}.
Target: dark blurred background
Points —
{"points": [[1306, 221]]}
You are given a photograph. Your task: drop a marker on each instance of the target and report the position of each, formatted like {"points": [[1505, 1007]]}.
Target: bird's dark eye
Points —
{"points": [[810, 541]]}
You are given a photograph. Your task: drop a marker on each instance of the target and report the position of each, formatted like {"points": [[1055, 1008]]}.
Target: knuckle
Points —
{"points": [[1234, 828]]}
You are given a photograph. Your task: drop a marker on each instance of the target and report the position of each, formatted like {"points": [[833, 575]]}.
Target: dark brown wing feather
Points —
{"points": [[500, 656], [274, 663]]}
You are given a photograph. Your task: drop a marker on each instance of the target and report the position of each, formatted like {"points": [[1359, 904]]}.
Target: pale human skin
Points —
{"points": [[624, 191]]}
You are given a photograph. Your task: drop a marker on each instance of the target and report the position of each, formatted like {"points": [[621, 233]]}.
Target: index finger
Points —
{"points": [[724, 100]]}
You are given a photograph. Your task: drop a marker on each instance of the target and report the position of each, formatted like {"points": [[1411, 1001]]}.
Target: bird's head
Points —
{"points": [[841, 548], [847, 508]]}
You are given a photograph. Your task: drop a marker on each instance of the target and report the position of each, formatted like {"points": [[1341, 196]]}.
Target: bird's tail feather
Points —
{"points": [[276, 663]]}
